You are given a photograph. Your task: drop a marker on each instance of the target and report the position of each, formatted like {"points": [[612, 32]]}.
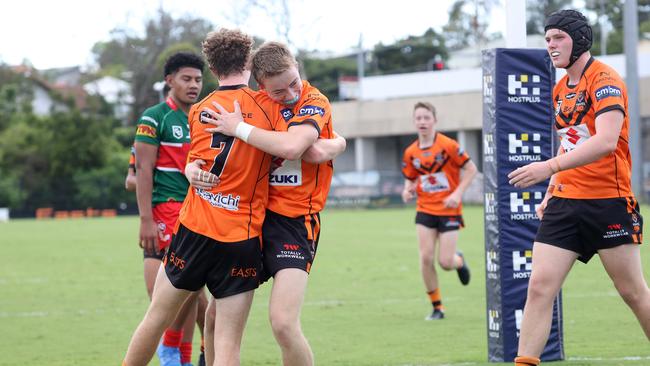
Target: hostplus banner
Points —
{"points": [[517, 130]]}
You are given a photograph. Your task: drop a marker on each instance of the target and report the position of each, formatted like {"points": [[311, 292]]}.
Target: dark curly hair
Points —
{"points": [[227, 51], [183, 59]]}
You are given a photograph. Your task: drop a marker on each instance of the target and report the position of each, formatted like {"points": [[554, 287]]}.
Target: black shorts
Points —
{"points": [[226, 269], [585, 226], [440, 223], [289, 242]]}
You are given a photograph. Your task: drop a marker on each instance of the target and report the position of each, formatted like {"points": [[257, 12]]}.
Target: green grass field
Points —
{"points": [[71, 293]]}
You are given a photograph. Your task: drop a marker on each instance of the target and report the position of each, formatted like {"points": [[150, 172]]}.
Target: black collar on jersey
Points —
{"points": [[232, 87], [591, 61]]}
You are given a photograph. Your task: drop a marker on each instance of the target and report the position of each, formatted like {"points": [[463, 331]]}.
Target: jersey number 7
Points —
{"points": [[223, 143]]}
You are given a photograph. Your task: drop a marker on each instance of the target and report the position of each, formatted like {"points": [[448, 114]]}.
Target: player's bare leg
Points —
{"points": [[231, 315], [208, 332], [165, 303], [151, 266], [186, 320], [426, 240], [550, 268], [623, 264], [285, 304], [447, 257]]}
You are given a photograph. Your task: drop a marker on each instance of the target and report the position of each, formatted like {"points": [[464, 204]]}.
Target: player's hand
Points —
{"points": [[225, 122], [542, 206], [149, 235], [200, 178], [452, 201], [407, 194], [530, 174]]}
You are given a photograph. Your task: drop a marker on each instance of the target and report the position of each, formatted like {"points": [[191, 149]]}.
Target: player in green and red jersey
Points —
{"points": [[161, 146]]}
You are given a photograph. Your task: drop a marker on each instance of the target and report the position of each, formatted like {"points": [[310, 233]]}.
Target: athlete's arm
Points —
{"points": [[288, 145], [324, 150], [145, 164], [467, 174], [608, 129], [130, 180], [409, 190]]}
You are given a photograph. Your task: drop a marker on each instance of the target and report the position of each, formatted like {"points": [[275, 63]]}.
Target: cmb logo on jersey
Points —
{"points": [[524, 204], [607, 91], [524, 147], [522, 263], [524, 88]]}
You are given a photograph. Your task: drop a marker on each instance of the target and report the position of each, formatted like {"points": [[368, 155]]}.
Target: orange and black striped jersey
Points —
{"points": [[437, 171], [299, 188], [233, 210], [600, 90]]}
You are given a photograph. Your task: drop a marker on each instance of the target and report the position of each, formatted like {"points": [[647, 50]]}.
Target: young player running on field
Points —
{"points": [[589, 176], [437, 172]]}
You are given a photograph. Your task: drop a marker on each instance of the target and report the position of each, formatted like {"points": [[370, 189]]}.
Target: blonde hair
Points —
{"points": [[271, 59], [227, 51]]}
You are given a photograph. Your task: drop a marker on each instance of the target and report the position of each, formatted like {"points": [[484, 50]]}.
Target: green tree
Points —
{"points": [[325, 73], [133, 55], [537, 11], [413, 53]]}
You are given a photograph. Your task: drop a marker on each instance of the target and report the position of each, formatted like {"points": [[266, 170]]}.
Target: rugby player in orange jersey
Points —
{"points": [[432, 167], [217, 241], [590, 175], [299, 187]]}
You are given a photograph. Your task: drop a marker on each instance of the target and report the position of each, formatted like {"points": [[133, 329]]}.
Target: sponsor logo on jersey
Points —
{"points": [[229, 202], [175, 260], [524, 204], [607, 91], [525, 147], [570, 96], [177, 131], [524, 88], [287, 114], [522, 263], [145, 130], [572, 136], [311, 110], [288, 173]]}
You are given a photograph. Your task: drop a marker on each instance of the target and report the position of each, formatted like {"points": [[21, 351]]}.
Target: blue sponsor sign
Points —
{"points": [[608, 91], [517, 130]]}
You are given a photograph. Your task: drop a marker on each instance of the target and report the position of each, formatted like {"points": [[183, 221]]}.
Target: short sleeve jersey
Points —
{"points": [[165, 125], [600, 90], [436, 170], [299, 188], [233, 210]]}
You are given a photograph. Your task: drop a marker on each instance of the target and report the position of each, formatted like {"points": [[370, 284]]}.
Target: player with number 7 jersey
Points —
{"points": [[233, 210]]}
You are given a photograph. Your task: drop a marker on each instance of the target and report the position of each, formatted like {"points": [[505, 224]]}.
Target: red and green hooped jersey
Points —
{"points": [[165, 126]]}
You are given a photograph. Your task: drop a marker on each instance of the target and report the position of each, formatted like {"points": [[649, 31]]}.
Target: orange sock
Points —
{"points": [[186, 352], [526, 361], [436, 299], [172, 338]]}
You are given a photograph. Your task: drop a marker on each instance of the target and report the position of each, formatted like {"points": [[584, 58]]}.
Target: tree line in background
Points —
{"points": [[77, 158]]}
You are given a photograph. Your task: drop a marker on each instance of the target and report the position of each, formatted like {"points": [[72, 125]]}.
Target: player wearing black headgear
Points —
{"points": [[575, 24], [590, 174]]}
